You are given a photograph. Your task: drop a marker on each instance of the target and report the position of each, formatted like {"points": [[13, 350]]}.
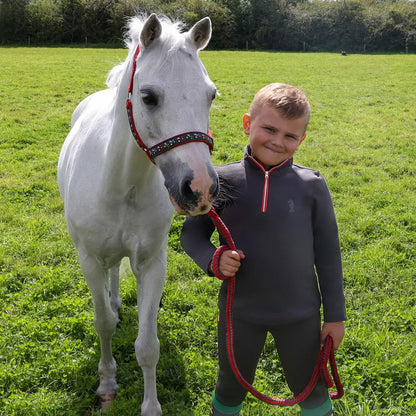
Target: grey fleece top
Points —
{"points": [[283, 220]]}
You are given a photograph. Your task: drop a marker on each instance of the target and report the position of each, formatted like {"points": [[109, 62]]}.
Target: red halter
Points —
{"points": [[165, 145]]}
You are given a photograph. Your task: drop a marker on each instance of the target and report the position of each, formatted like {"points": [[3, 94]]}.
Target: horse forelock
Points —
{"points": [[171, 29], [171, 40]]}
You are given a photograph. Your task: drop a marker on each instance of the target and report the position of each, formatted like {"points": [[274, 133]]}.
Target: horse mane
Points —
{"points": [[170, 30]]}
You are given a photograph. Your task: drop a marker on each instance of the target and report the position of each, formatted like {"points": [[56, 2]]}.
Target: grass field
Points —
{"points": [[361, 137]]}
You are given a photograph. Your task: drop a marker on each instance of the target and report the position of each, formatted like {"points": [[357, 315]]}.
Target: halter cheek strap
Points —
{"points": [[168, 144]]}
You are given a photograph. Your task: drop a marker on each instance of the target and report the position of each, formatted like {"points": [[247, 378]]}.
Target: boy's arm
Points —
{"points": [[328, 256], [196, 240]]}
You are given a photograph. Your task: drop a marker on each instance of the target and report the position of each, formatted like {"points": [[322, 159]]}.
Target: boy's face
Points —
{"points": [[273, 138]]}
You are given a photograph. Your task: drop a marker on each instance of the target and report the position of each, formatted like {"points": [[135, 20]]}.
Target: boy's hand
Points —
{"points": [[230, 262], [336, 330]]}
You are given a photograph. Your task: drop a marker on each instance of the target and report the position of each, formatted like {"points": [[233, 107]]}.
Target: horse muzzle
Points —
{"points": [[192, 190]]}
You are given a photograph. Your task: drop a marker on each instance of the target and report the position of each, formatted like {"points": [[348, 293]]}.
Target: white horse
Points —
{"points": [[118, 198]]}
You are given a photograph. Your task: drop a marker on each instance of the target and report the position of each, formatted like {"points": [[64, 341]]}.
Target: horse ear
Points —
{"points": [[200, 33], [151, 30]]}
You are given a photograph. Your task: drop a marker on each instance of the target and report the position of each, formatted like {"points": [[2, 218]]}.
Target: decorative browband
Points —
{"points": [[179, 140]]}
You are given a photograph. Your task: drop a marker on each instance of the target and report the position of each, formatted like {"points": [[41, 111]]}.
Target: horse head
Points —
{"points": [[170, 96]]}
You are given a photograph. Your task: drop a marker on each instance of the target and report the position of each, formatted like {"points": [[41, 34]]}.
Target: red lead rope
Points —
{"points": [[321, 368]]}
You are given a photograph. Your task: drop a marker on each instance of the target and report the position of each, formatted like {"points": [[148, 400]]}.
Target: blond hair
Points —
{"points": [[289, 101]]}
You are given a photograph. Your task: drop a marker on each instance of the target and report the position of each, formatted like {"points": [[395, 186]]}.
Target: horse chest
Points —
{"points": [[139, 220]]}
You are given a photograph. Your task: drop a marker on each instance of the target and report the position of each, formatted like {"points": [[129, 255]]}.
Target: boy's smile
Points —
{"points": [[273, 138]]}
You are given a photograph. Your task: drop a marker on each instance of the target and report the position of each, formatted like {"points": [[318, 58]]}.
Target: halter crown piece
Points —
{"points": [[165, 145]]}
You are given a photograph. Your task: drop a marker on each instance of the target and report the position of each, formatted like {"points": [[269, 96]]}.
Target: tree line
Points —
{"points": [[286, 25]]}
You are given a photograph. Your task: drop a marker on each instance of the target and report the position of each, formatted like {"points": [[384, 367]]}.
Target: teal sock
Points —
{"points": [[226, 410], [323, 410]]}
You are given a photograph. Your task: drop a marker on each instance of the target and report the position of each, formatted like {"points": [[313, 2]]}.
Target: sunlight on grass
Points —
{"points": [[361, 137]]}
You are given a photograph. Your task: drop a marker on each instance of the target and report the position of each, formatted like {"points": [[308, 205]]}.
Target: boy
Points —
{"points": [[288, 261]]}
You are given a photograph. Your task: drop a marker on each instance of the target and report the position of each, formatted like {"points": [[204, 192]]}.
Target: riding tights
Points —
{"points": [[298, 346]]}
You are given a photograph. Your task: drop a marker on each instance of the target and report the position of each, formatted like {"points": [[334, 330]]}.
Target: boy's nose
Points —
{"points": [[278, 140]]}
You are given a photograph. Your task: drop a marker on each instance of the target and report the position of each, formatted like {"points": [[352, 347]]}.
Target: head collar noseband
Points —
{"points": [[165, 145]]}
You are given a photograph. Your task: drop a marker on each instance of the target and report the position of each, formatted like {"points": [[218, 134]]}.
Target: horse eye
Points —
{"points": [[149, 98]]}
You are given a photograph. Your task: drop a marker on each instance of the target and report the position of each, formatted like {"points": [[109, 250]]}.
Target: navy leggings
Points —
{"points": [[298, 346]]}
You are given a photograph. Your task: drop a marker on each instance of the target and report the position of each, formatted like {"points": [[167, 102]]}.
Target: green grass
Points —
{"points": [[362, 139]]}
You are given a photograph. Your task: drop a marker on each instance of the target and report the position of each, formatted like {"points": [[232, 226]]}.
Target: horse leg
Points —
{"points": [[150, 284], [105, 322], [115, 299]]}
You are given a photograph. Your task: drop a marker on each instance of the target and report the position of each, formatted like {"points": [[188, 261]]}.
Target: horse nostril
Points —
{"points": [[186, 190]]}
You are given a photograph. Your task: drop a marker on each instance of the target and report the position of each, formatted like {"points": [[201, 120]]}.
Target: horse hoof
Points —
{"points": [[106, 401]]}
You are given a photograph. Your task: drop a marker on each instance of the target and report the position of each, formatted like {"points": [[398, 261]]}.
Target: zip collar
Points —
{"points": [[265, 197]]}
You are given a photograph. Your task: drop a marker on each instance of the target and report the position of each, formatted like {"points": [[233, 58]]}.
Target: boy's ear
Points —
{"points": [[246, 123]]}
